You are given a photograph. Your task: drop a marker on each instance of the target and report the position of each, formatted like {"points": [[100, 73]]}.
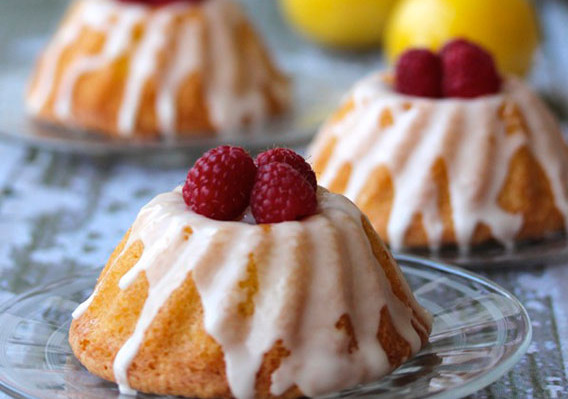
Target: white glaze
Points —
{"points": [[310, 273], [467, 134], [82, 308], [207, 46], [187, 59], [38, 98], [143, 65], [229, 106]]}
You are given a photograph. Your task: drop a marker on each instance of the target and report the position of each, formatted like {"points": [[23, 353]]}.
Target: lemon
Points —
{"points": [[508, 28], [340, 23]]}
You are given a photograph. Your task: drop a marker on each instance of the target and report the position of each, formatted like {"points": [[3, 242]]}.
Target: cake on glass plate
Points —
{"points": [[250, 281], [446, 152]]}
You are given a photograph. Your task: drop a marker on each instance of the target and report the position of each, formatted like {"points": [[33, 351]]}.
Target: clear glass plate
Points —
{"points": [[480, 332], [320, 79], [548, 251]]}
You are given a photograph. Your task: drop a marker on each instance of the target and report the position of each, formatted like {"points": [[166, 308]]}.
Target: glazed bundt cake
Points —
{"points": [[193, 306], [156, 68], [452, 171]]}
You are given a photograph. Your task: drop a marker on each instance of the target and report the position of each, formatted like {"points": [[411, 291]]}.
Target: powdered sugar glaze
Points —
{"points": [[424, 131], [306, 283], [204, 45]]}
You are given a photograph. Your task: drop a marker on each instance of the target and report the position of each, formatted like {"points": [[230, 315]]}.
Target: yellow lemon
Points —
{"points": [[508, 28], [340, 23]]}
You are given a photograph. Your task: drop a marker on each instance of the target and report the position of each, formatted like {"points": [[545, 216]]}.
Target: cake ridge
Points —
{"points": [[314, 363], [556, 167], [191, 35]]}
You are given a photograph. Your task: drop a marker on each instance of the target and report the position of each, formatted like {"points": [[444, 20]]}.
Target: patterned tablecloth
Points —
{"points": [[61, 214]]}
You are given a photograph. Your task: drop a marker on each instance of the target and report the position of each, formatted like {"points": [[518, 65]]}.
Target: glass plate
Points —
{"points": [[480, 332], [548, 251], [320, 79]]}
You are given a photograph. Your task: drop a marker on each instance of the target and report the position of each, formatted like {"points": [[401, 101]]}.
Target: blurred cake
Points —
{"points": [[446, 153], [156, 68], [193, 306]]}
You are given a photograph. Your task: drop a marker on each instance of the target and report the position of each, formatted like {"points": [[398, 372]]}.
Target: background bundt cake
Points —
{"points": [[458, 170], [125, 68], [188, 305]]}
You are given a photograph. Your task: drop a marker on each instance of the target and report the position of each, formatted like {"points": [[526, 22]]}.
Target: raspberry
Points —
{"points": [[219, 184], [158, 3], [469, 70], [281, 194], [419, 73], [291, 158]]}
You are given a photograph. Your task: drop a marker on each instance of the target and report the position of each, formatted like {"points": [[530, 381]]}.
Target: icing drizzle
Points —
{"points": [[208, 46], [466, 134], [310, 273]]}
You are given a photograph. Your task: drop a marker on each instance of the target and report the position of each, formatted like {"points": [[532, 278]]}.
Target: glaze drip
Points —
{"points": [[468, 135], [203, 45], [310, 275]]}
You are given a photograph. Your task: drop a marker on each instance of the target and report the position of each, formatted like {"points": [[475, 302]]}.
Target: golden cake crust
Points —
{"points": [[526, 192]]}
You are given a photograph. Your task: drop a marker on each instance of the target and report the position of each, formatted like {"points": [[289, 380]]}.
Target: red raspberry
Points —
{"points": [[419, 73], [469, 70], [281, 194], [158, 3], [219, 184], [291, 158]]}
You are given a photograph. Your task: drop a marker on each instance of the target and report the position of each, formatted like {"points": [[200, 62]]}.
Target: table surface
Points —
{"points": [[60, 214]]}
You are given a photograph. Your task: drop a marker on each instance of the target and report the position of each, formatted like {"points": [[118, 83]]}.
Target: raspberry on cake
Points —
{"points": [[469, 70], [192, 306], [219, 184], [159, 3], [224, 180], [419, 73], [462, 70], [291, 158], [281, 193], [485, 163]]}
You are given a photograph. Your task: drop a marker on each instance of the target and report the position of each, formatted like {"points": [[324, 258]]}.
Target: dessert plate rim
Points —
{"points": [[75, 141], [410, 264], [550, 250], [496, 373]]}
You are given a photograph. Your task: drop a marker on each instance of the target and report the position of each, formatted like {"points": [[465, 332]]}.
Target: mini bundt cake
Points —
{"points": [[192, 306], [460, 170], [156, 68]]}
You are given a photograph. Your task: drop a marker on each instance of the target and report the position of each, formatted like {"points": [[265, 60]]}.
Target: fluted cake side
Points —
{"points": [[195, 307]]}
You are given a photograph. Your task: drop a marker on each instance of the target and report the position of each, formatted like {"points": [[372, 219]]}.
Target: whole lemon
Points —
{"points": [[507, 28], [340, 23]]}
